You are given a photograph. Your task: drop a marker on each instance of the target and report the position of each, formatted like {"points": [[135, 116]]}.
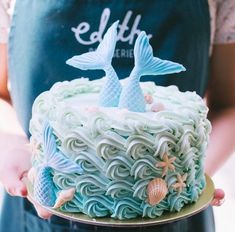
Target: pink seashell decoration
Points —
{"points": [[148, 98], [156, 107], [156, 191]]}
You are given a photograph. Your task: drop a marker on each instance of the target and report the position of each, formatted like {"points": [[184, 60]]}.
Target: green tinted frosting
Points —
{"points": [[126, 208], [90, 162], [118, 189], [156, 211], [75, 205], [98, 206], [92, 184]]}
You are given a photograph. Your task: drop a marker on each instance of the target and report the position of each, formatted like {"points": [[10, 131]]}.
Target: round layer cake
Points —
{"points": [[111, 162]]}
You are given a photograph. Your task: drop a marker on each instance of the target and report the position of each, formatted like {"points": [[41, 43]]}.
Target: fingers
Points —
{"points": [[217, 202], [13, 183], [219, 197], [42, 213], [17, 188]]}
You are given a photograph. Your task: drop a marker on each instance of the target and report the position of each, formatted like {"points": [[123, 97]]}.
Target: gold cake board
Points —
{"points": [[187, 211]]}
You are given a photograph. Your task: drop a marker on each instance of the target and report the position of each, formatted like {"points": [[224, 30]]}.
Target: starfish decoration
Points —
{"points": [[166, 164], [179, 185]]}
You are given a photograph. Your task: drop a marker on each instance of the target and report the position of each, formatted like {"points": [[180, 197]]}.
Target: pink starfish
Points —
{"points": [[166, 164], [179, 185]]}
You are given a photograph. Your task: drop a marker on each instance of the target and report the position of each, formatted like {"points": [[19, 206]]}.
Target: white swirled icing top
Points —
{"points": [[120, 151]]}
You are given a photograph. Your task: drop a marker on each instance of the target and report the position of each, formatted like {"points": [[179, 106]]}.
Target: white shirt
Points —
{"points": [[222, 20]]}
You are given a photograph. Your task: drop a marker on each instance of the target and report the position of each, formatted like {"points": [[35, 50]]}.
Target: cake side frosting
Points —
{"points": [[134, 164]]}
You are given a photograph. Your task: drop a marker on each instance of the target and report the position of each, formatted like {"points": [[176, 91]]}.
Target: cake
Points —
{"points": [[120, 149]]}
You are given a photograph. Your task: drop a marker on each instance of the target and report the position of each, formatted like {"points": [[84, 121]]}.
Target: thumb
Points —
{"points": [[219, 197], [19, 189]]}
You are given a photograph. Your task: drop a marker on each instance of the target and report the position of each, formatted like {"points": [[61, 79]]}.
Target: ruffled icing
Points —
{"points": [[118, 189], [145, 167], [89, 161], [119, 168], [64, 181], [92, 184], [154, 211], [73, 206], [76, 141], [126, 208], [98, 206], [110, 144], [137, 146], [118, 150]]}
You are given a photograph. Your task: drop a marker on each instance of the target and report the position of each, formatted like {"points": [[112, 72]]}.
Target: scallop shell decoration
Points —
{"points": [[156, 191]]}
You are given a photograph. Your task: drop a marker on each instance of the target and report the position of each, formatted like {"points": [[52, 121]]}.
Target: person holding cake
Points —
{"points": [[39, 54]]}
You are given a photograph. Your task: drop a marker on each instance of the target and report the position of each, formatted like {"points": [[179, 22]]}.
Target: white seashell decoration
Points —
{"points": [[64, 196]]}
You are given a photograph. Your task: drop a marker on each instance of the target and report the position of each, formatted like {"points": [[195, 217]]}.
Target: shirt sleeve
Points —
{"points": [[4, 20], [225, 22]]}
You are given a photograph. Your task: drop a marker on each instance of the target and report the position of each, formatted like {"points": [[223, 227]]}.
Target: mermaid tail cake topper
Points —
{"points": [[132, 97], [112, 94], [44, 187], [101, 59]]}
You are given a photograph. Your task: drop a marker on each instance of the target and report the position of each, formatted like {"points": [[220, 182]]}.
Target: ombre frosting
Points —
{"points": [[120, 152]]}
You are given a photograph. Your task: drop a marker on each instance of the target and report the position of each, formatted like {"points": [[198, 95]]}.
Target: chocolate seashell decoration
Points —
{"points": [[156, 191]]}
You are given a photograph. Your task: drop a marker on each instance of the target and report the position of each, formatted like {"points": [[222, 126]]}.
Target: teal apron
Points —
{"points": [[44, 34]]}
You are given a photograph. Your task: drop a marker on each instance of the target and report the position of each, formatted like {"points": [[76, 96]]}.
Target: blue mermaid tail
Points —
{"points": [[44, 187], [132, 96], [101, 59]]}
